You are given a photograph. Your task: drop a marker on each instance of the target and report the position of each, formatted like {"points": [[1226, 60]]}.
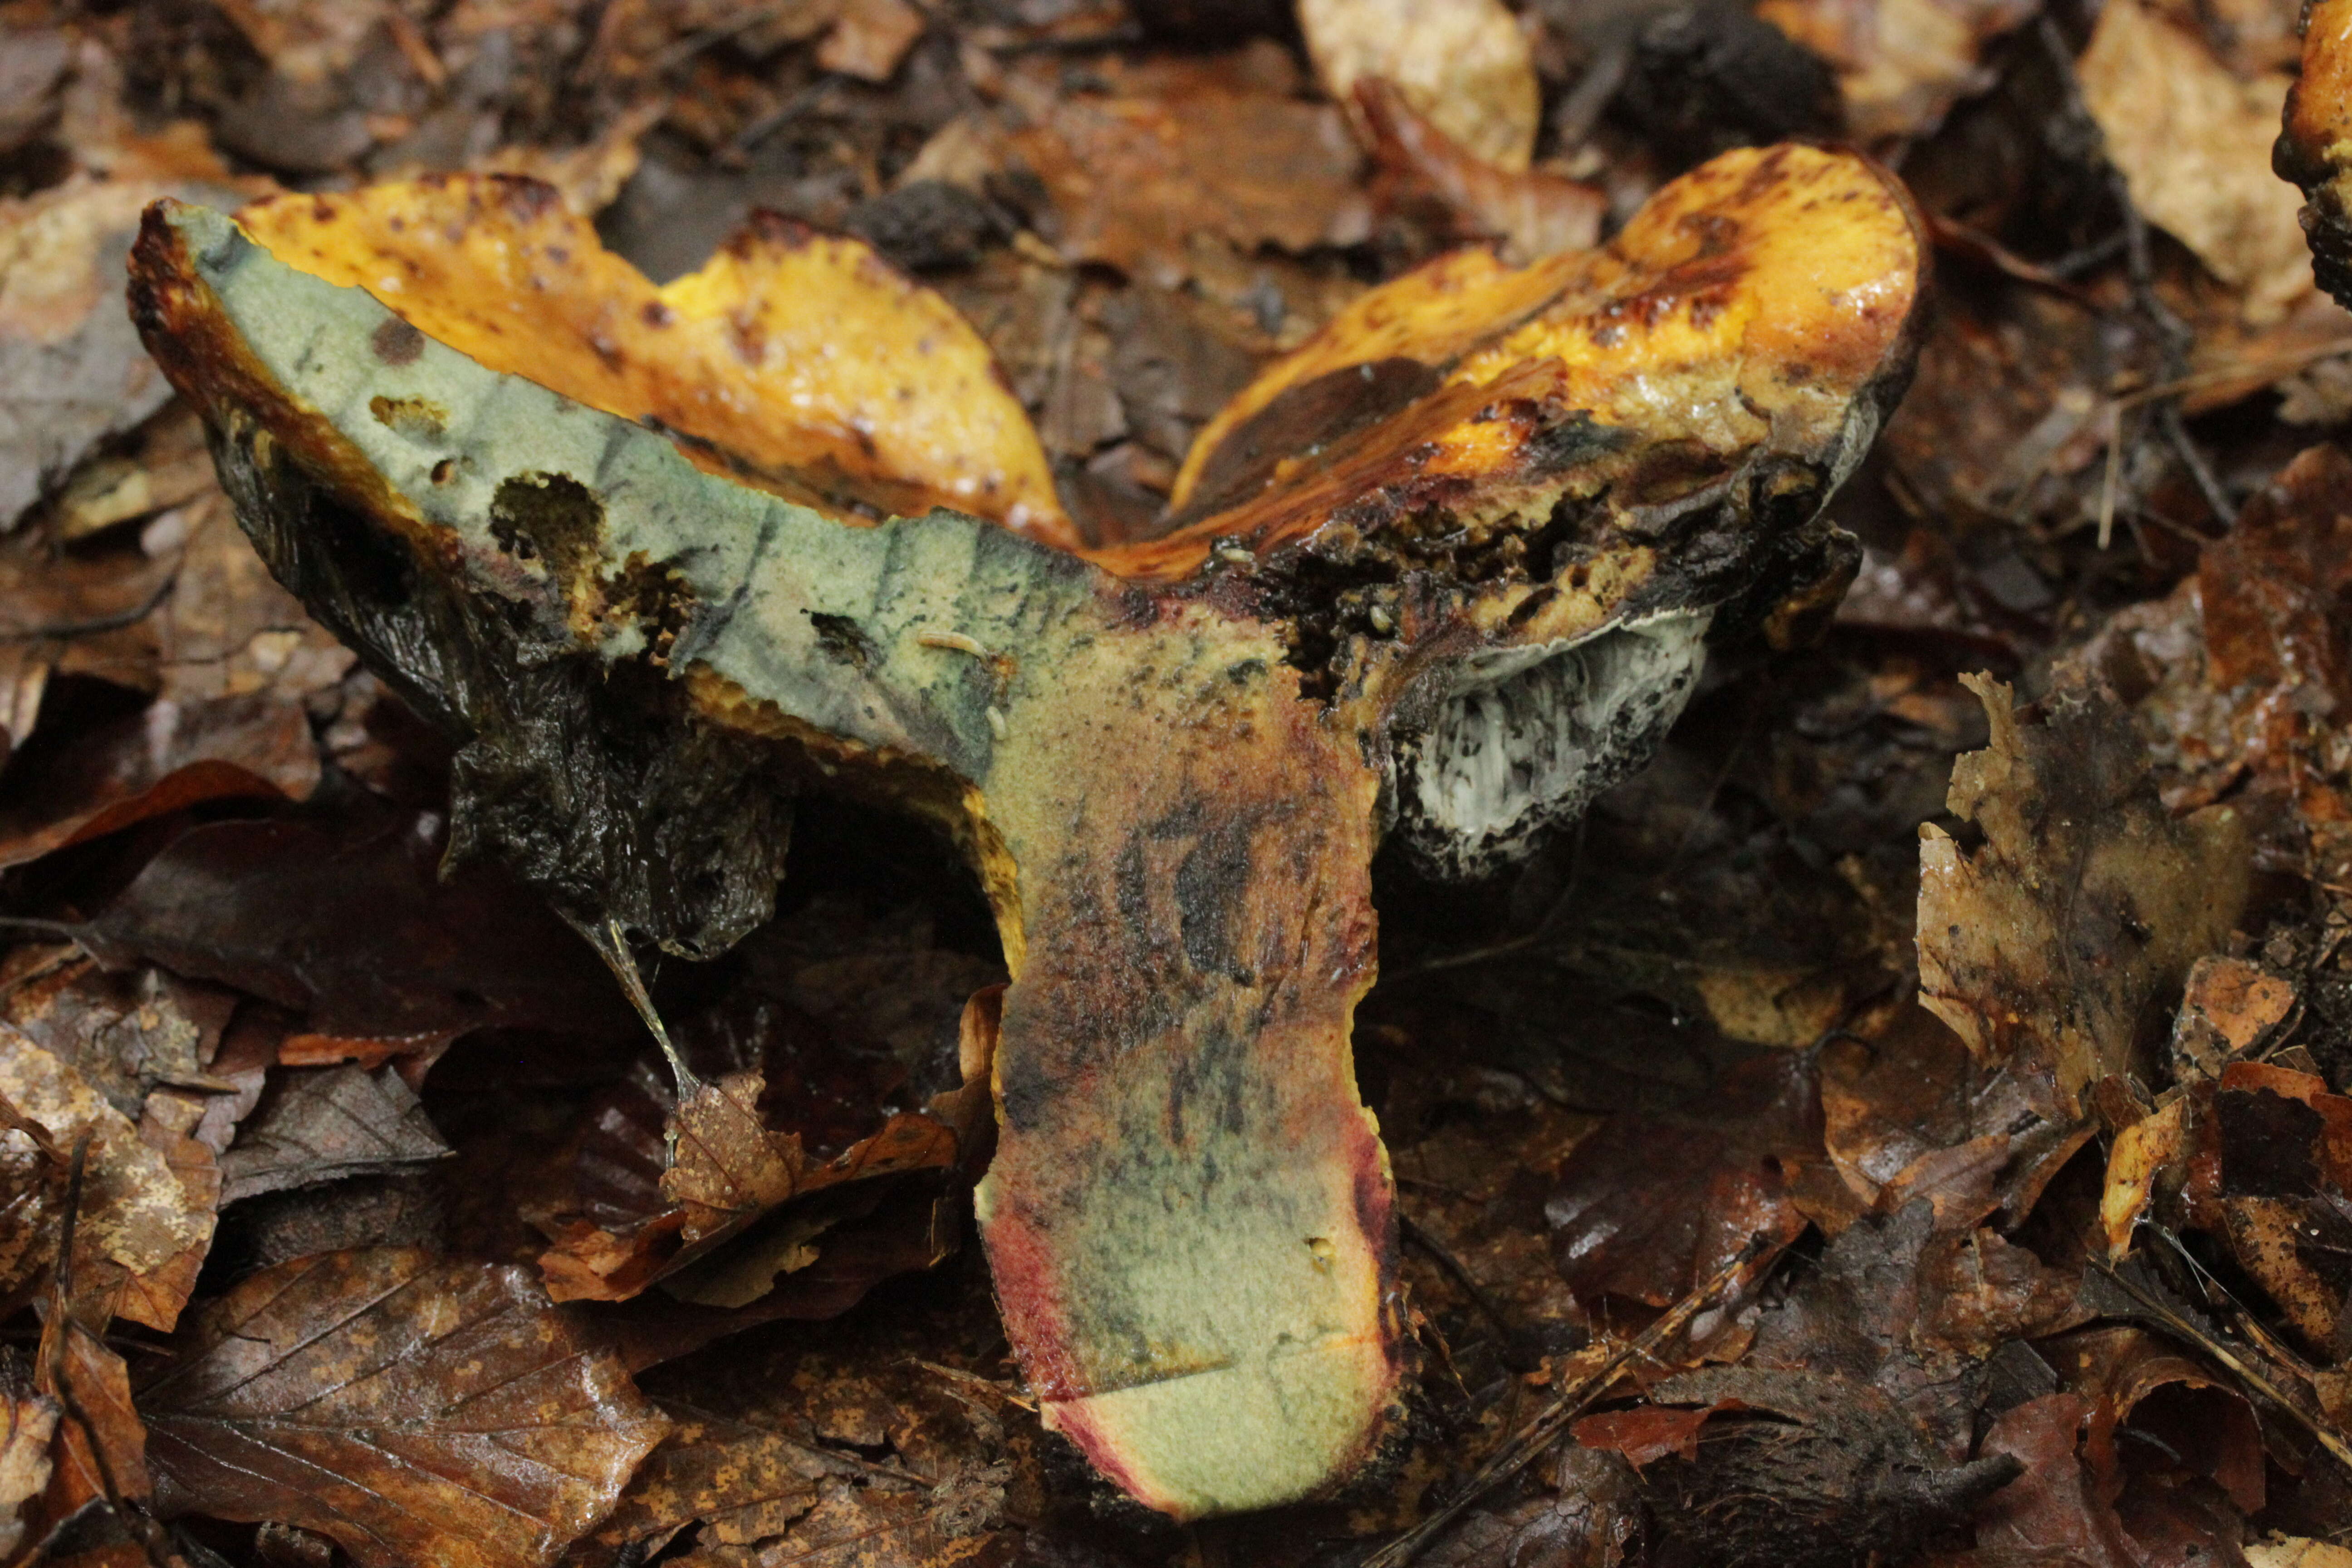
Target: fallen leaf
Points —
{"points": [[70, 364], [2226, 1006], [1789, 1458], [347, 921], [2142, 1152], [740, 1481], [1900, 64], [1708, 1183], [414, 1409], [1464, 65], [2277, 1551], [322, 1124], [2194, 143], [1134, 174], [2053, 1506], [147, 764], [27, 1421], [1534, 212], [2086, 903], [869, 38], [137, 1219]]}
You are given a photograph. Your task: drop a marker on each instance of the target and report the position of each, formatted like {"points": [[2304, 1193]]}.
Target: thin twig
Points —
{"points": [[613, 949], [1524, 1447]]}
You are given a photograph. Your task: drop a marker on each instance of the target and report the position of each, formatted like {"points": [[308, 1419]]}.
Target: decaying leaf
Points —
{"points": [[1900, 64], [1464, 64], [1792, 1468], [2087, 902], [27, 1421], [1138, 172], [1536, 213], [322, 1124], [70, 374], [410, 1408], [2194, 142], [140, 1223], [1462, 551]]}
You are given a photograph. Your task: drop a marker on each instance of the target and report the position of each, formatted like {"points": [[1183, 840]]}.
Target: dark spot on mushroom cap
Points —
{"points": [[396, 343]]}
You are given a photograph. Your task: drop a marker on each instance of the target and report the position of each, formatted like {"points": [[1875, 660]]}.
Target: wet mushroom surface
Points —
{"points": [[1447, 570]]}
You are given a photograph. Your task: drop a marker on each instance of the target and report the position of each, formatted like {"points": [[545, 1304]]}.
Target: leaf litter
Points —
{"points": [[2029, 1140]]}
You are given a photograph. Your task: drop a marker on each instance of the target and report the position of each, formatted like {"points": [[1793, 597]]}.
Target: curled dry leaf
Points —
{"points": [[795, 359], [1530, 493], [2194, 143], [71, 370], [2088, 901], [741, 1481], [412, 1408], [1900, 64], [138, 1221], [1464, 65], [27, 1421], [322, 1124], [1535, 213], [169, 757]]}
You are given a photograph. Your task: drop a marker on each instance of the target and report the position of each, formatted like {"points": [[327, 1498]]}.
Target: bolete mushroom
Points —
{"points": [[1451, 568], [2314, 145]]}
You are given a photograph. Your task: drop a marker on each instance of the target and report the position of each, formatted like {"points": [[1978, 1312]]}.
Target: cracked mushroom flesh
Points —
{"points": [[1447, 570]]}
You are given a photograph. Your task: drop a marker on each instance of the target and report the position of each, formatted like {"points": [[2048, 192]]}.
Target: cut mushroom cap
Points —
{"points": [[1455, 559], [2314, 144]]}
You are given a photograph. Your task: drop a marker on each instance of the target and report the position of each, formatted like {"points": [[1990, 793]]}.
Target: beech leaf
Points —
{"points": [[413, 1408]]}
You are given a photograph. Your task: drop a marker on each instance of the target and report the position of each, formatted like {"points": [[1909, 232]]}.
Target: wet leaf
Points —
{"points": [[1194, 147], [2194, 142], [1709, 1182], [1536, 213], [347, 923], [27, 1421], [2087, 902], [1900, 64], [1464, 65], [410, 1408], [140, 1222], [169, 757], [322, 1124]]}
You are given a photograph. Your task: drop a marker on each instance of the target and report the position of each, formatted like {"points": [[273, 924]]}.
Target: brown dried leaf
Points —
{"points": [[322, 1124], [27, 1421], [1647, 1207], [169, 757], [2194, 142], [740, 1481], [414, 1409], [869, 38], [1535, 213], [2088, 901], [1135, 174], [1464, 64], [726, 1164], [138, 1219], [1900, 64], [2227, 1005]]}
